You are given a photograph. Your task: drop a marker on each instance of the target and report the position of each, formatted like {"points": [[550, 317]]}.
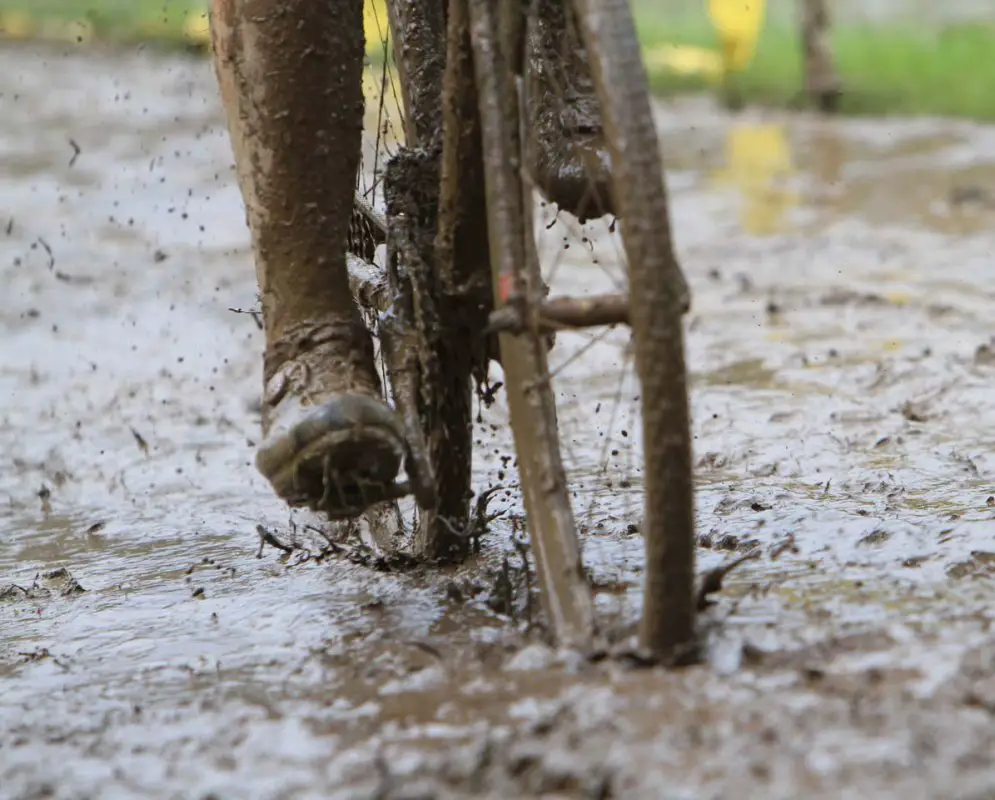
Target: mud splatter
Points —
{"points": [[840, 342]]}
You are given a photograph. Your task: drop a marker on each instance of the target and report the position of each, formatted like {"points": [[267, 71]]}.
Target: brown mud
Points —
{"points": [[842, 359]]}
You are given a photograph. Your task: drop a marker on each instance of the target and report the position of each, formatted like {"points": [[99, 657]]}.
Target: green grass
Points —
{"points": [[895, 70], [117, 21], [898, 70]]}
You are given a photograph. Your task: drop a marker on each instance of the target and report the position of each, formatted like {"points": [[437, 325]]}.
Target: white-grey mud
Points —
{"points": [[842, 382]]}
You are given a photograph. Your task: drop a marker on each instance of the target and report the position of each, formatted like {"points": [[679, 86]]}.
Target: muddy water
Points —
{"points": [[842, 369]]}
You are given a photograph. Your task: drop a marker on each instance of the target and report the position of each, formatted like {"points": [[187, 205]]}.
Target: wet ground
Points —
{"points": [[840, 343]]}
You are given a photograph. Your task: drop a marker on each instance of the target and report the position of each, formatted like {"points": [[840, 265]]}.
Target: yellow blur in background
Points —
{"points": [[197, 29], [759, 166], [737, 24], [375, 25]]}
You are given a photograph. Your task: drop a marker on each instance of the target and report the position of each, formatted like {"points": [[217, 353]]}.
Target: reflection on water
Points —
{"points": [[827, 155], [758, 165]]}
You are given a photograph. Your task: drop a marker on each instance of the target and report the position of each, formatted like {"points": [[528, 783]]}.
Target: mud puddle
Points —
{"points": [[842, 364]]}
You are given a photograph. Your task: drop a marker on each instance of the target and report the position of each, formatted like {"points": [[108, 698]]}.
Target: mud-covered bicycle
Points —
{"points": [[462, 269]]}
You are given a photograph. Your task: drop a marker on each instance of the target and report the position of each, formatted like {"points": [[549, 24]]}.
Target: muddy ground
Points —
{"points": [[843, 370]]}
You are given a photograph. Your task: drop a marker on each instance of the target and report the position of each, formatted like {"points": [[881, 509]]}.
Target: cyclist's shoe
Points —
{"points": [[330, 442], [567, 153]]}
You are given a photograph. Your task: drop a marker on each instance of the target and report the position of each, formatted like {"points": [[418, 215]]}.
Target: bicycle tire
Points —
{"points": [[656, 300], [564, 592]]}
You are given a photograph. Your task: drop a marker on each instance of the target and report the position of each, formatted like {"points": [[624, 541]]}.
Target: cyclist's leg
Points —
{"points": [[290, 76], [567, 155]]}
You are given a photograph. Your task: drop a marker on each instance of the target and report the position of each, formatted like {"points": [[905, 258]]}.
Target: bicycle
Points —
{"points": [[462, 267]]}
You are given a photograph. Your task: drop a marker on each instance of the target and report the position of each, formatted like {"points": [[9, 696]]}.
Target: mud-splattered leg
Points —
{"points": [[290, 75]]}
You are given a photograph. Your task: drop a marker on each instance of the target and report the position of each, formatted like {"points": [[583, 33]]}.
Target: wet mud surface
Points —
{"points": [[841, 345]]}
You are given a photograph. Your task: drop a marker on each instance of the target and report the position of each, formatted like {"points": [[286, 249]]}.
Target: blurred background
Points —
{"points": [[891, 56]]}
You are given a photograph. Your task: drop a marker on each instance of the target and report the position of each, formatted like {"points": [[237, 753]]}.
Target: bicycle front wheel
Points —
{"points": [[657, 295], [528, 155]]}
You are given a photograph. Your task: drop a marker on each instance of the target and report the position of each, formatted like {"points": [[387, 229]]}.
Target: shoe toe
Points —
{"points": [[351, 442]]}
